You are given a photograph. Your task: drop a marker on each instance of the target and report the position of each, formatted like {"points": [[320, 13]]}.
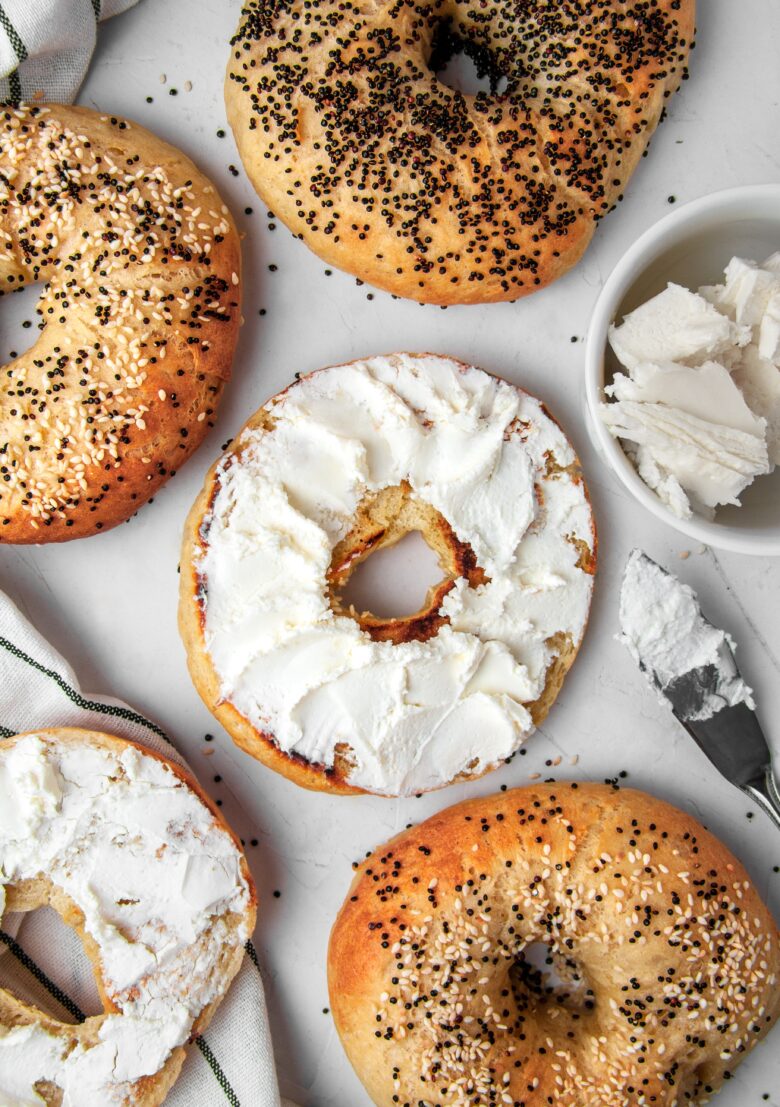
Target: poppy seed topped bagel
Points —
{"points": [[346, 461], [667, 960], [349, 136], [139, 309]]}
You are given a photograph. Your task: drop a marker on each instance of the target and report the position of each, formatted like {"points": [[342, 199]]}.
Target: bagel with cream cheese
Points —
{"points": [[127, 849], [347, 461]]}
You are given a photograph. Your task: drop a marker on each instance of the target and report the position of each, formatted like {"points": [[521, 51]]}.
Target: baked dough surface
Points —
{"points": [[139, 262], [349, 136]]}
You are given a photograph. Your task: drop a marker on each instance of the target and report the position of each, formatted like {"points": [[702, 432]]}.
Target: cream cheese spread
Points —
{"points": [[686, 659], [155, 876], [698, 408], [493, 463]]}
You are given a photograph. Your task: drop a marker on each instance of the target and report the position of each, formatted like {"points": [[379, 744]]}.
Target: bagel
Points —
{"points": [[139, 318], [667, 959], [348, 135], [347, 461], [128, 850]]}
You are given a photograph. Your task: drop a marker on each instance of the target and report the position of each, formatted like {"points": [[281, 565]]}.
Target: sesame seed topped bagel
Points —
{"points": [[346, 132], [667, 960], [139, 318], [346, 461]]}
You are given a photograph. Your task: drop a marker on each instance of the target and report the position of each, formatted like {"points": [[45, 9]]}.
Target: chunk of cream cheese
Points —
{"points": [[686, 659], [155, 876], [489, 458], [698, 408]]}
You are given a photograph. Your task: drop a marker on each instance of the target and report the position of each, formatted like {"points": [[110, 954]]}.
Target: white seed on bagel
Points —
{"points": [[139, 318], [343, 462], [446, 198], [669, 961], [128, 850]]}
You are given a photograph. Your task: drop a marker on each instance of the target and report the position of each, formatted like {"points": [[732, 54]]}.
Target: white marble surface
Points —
{"points": [[109, 603]]}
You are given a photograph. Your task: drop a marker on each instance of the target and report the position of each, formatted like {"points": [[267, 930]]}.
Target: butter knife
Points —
{"points": [[691, 663]]}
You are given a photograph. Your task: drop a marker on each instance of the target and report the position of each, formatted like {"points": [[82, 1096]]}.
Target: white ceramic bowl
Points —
{"points": [[691, 246]]}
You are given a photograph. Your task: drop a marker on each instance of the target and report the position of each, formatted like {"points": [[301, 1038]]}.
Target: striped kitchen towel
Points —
{"points": [[42, 960], [46, 46]]}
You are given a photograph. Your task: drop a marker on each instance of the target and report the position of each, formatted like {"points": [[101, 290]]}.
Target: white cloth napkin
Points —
{"points": [[42, 960], [46, 46]]}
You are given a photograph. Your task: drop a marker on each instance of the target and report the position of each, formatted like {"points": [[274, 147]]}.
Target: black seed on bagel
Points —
{"points": [[138, 259], [345, 130], [667, 960]]}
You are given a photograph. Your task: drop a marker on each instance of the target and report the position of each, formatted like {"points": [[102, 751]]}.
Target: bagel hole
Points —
{"points": [[464, 65], [21, 322], [44, 963], [542, 975], [394, 581]]}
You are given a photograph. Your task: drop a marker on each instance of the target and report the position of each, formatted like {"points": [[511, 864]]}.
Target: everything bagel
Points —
{"points": [[346, 132], [139, 311], [668, 957]]}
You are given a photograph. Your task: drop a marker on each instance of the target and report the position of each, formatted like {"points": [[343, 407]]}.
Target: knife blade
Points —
{"points": [[736, 745]]}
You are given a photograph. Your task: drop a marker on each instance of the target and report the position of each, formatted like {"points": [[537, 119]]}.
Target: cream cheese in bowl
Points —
{"points": [[687, 370], [698, 404]]}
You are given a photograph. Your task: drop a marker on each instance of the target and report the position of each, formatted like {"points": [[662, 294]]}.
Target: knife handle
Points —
{"points": [[766, 794]]}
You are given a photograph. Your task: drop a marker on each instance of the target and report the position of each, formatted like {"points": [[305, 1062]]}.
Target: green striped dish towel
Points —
{"points": [[42, 960], [46, 46]]}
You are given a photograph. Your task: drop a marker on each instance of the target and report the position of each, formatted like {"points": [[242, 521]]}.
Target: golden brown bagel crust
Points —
{"points": [[149, 1091], [372, 530], [140, 315], [446, 198], [677, 957]]}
